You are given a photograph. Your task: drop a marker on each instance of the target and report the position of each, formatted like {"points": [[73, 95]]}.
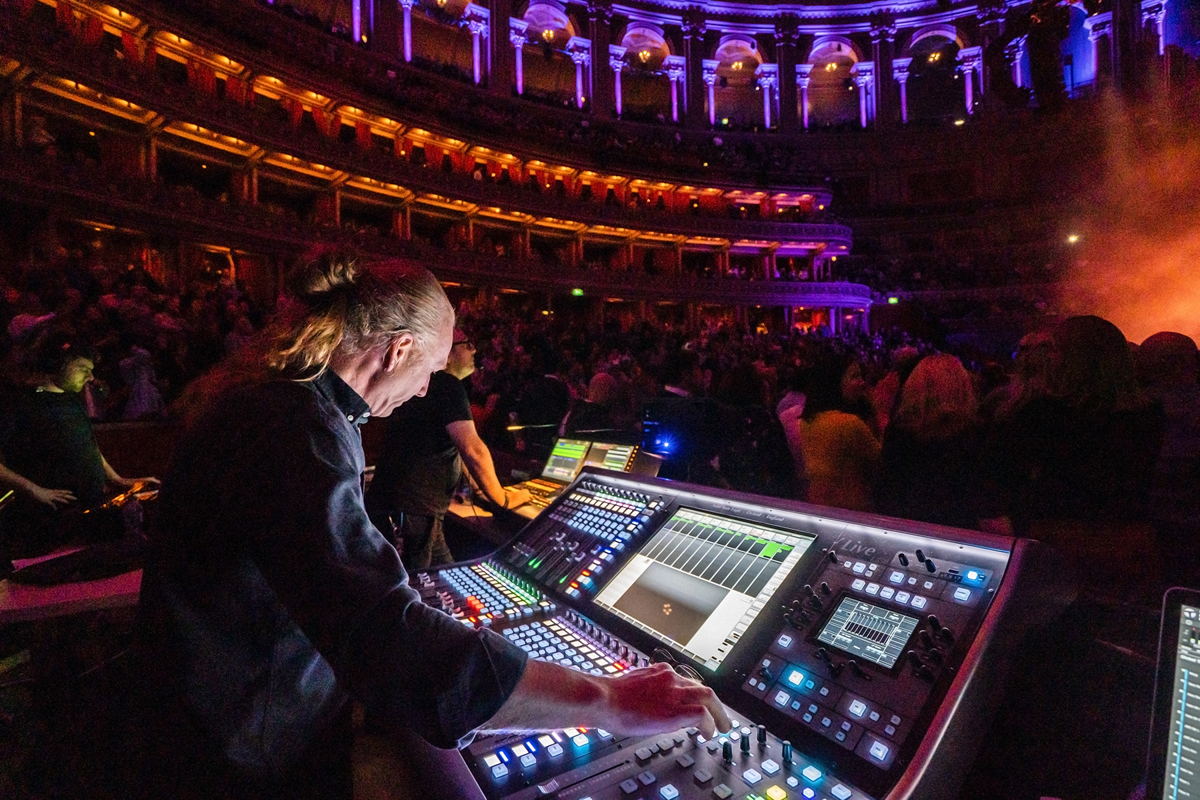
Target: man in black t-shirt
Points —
{"points": [[428, 439], [48, 454]]}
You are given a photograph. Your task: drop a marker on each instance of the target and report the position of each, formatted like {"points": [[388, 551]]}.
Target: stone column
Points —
{"points": [[1014, 54], [600, 32], [710, 81], [676, 68], [767, 77], [616, 61], [1154, 12], [900, 74], [970, 62], [580, 51], [693, 52], [787, 34], [804, 80], [1099, 28], [356, 20], [883, 37], [990, 14], [516, 38], [477, 24], [406, 29], [864, 78]]}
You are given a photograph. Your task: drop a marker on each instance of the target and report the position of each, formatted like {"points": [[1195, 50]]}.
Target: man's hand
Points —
{"points": [[514, 498], [129, 483], [52, 497], [656, 699]]}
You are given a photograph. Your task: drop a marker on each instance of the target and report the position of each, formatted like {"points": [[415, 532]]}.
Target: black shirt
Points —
{"points": [[269, 598], [47, 438], [419, 466]]}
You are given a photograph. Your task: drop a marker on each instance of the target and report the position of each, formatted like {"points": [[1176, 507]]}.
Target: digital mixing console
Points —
{"points": [[855, 652]]}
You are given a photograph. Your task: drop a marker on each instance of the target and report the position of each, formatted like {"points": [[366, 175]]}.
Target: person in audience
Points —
{"points": [[930, 461], [1030, 378], [1169, 372], [50, 458], [269, 600], [596, 413], [839, 453], [428, 440]]}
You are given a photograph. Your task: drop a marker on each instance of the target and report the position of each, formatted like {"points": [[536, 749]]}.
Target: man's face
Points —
{"points": [[76, 374], [461, 362], [411, 377]]}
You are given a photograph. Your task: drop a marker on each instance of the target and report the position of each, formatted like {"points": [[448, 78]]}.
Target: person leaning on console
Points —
{"points": [[49, 458], [270, 602]]}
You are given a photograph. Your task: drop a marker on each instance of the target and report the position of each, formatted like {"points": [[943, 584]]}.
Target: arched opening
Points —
{"points": [[549, 71], [737, 100], [644, 82], [832, 98], [935, 88], [1078, 54]]}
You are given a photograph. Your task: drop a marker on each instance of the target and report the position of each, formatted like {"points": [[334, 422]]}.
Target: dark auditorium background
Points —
{"points": [[812, 200]]}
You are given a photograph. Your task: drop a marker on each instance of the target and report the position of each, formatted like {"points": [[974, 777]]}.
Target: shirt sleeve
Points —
{"points": [[343, 584], [453, 405]]}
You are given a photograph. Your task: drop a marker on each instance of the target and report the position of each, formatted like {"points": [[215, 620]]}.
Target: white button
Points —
{"points": [[962, 594], [896, 577], [918, 601], [769, 767], [528, 760], [491, 760], [879, 751], [784, 640], [841, 791], [902, 597], [858, 584], [811, 773], [928, 585], [859, 567], [872, 588], [499, 771], [887, 592], [858, 708]]}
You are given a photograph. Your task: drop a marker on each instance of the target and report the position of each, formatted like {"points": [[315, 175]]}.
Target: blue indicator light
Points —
{"points": [[532, 745], [974, 577], [503, 755]]}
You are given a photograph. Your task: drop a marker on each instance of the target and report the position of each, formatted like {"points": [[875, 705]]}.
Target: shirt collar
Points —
{"points": [[348, 401]]}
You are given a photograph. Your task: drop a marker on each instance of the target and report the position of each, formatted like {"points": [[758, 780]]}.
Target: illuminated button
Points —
{"points": [[784, 641], [490, 760], [928, 585], [903, 597], [752, 776], [793, 676], [858, 584], [808, 793], [896, 577], [811, 774], [580, 740], [668, 792], [528, 760], [603, 734], [887, 592], [859, 567], [499, 771], [792, 781], [630, 786], [555, 750], [858, 708], [781, 698], [519, 750], [776, 793], [918, 601], [874, 715], [722, 792], [962, 594], [879, 751], [769, 767], [841, 791], [872, 588]]}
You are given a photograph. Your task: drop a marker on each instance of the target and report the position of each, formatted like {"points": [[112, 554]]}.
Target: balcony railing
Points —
{"points": [[184, 103], [88, 192]]}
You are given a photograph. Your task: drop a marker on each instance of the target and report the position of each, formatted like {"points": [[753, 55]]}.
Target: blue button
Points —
{"points": [[668, 792], [811, 773]]}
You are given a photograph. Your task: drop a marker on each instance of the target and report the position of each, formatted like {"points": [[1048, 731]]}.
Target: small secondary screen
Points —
{"points": [[1182, 781], [702, 580], [868, 631], [611, 456], [566, 459]]}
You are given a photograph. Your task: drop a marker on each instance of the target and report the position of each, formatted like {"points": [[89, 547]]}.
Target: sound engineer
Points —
{"points": [[270, 601]]}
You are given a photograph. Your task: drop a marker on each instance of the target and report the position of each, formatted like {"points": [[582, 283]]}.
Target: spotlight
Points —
{"points": [[1073, 238], [958, 123]]}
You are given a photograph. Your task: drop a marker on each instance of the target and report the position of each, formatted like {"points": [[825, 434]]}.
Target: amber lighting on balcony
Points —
{"points": [[547, 36], [737, 65], [831, 67], [934, 57], [643, 56]]}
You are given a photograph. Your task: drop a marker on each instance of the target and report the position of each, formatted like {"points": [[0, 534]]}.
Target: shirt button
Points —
{"points": [[350, 417]]}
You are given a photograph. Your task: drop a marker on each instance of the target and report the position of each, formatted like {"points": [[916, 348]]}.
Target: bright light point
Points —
{"points": [[893, 301], [1073, 238], [960, 122], [577, 292]]}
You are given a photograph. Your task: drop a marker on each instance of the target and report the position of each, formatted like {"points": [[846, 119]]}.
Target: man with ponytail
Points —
{"points": [[270, 602]]}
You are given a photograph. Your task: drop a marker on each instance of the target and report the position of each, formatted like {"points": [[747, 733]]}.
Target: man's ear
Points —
{"points": [[399, 351]]}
